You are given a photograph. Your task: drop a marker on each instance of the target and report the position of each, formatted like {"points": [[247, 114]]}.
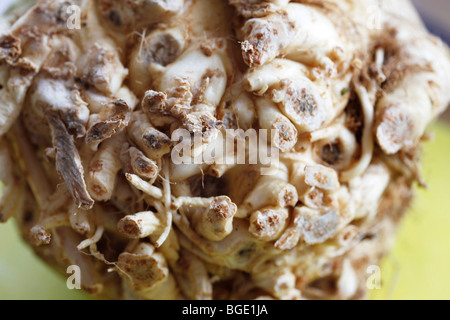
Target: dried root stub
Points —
{"points": [[90, 122]]}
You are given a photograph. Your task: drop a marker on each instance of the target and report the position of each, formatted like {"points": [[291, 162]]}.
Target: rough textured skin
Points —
{"points": [[89, 119]]}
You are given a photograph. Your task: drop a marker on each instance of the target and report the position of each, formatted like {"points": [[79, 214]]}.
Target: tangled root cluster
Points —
{"points": [[88, 116]]}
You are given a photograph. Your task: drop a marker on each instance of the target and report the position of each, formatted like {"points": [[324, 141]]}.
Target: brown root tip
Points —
{"points": [[320, 229], [129, 228], [289, 197], [394, 131], [39, 236], [265, 223], [287, 136], [140, 268], [85, 204], [98, 190], [221, 208], [95, 289], [10, 48], [252, 57]]}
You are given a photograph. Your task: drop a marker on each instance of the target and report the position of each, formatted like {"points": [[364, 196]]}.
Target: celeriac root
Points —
{"points": [[92, 120]]}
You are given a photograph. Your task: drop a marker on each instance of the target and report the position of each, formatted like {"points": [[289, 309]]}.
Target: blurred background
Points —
{"points": [[417, 268]]}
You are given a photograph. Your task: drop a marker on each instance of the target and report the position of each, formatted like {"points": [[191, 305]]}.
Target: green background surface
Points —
{"points": [[417, 268]]}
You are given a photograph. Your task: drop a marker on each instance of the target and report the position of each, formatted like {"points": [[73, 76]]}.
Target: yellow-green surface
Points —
{"points": [[419, 265], [418, 268]]}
